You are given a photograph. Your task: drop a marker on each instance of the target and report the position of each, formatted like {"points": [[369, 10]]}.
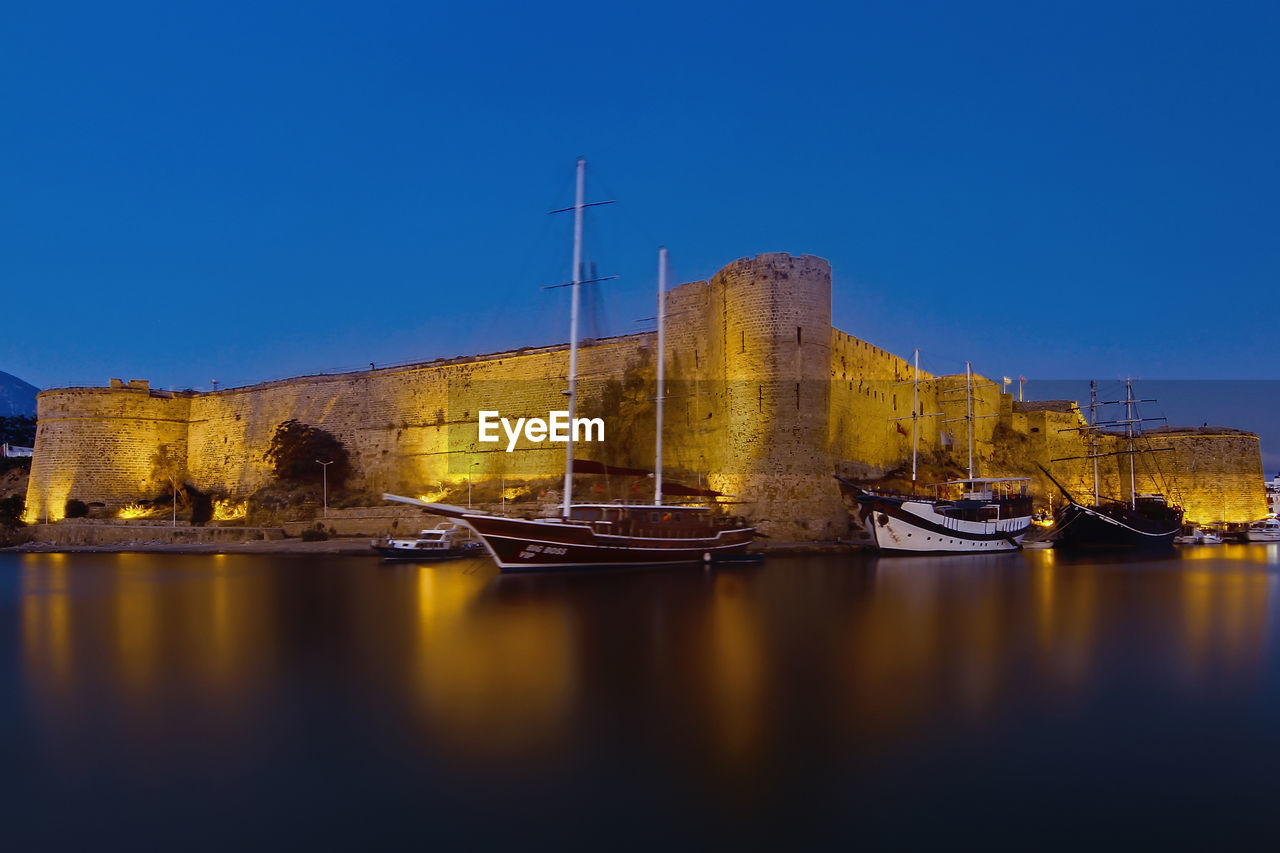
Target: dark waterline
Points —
{"points": [[1021, 699]]}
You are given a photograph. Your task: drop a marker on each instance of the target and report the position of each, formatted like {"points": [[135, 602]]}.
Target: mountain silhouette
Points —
{"points": [[16, 397]]}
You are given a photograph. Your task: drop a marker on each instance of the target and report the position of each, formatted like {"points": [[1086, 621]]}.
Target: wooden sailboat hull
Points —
{"points": [[537, 544], [1113, 528]]}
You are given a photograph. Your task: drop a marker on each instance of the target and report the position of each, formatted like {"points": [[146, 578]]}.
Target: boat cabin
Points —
{"points": [[984, 489], [984, 498], [652, 520]]}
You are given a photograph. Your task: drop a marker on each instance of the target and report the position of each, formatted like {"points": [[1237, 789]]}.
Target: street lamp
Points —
{"points": [[324, 471], [473, 464]]}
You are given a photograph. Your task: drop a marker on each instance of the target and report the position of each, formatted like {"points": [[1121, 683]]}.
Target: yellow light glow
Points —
{"points": [[229, 510], [133, 511], [432, 497], [512, 493]]}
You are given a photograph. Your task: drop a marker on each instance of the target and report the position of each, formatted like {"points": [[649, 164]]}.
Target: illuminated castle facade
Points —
{"points": [[766, 401]]}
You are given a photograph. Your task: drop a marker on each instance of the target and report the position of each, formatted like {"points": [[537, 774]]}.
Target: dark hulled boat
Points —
{"points": [[1145, 522], [604, 536], [1148, 523]]}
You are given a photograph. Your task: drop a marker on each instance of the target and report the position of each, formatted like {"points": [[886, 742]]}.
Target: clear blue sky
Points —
{"points": [[246, 191]]}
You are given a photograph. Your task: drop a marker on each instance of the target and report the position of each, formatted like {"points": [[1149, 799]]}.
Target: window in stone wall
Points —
{"points": [[797, 336]]}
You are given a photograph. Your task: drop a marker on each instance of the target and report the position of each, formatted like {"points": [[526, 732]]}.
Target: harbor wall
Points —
{"points": [[766, 400]]}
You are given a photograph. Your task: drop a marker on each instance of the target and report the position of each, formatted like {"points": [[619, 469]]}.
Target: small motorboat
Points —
{"points": [[1192, 535], [1262, 531], [445, 541]]}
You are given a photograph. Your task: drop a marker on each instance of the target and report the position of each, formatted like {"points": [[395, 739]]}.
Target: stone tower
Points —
{"points": [[769, 332]]}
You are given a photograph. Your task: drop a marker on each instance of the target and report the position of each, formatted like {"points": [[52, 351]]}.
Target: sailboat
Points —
{"points": [[604, 535], [974, 515], [1143, 522]]}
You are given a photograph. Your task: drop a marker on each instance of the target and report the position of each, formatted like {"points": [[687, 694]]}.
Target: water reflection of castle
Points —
{"points": [[508, 669]]}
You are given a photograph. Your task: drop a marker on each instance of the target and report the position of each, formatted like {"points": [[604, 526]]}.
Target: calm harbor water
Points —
{"points": [[1022, 699]]}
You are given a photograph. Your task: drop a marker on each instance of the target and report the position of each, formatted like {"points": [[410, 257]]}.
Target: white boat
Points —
{"points": [[445, 541], [1192, 535], [986, 515], [976, 515], [1262, 531]]}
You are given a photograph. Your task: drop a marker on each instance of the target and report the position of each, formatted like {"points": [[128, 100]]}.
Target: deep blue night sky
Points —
{"points": [[242, 192]]}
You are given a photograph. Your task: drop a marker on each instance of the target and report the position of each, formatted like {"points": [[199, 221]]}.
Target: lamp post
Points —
{"points": [[324, 472], [473, 464]]}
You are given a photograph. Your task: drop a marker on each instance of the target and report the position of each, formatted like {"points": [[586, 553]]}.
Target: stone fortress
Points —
{"points": [[766, 400]]}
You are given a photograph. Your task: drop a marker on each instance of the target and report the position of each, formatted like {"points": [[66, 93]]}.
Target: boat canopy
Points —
{"points": [[969, 480]]}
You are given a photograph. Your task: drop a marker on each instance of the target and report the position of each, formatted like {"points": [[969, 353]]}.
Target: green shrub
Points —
{"points": [[75, 509], [314, 534]]}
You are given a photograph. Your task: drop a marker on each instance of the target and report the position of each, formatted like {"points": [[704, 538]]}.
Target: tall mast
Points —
{"points": [[1093, 435], [968, 384], [662, 332], [573, 331], [1128, 429], [915, 416]]}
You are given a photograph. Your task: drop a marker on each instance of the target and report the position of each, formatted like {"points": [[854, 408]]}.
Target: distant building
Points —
{"points": [[1273, 495], [11, 451]]}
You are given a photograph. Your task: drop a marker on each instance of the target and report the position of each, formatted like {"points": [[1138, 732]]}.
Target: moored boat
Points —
{"points": [[445, 541], [604, 536], [1262, 531], [609, 535], [1147, 523], [975, 515], [1144, 522], [971, 516], [1192, 535]]}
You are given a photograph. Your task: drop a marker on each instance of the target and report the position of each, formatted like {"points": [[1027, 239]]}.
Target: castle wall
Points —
{"points": [[105, 444], [765, 401]]}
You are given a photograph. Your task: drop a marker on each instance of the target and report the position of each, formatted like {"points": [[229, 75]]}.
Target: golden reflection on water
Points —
{"points": [[1066, 620], [493, 679], [46, 630], [734, 671], [507, 669], [1225, 619], [127, 632], [966, 635]]}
